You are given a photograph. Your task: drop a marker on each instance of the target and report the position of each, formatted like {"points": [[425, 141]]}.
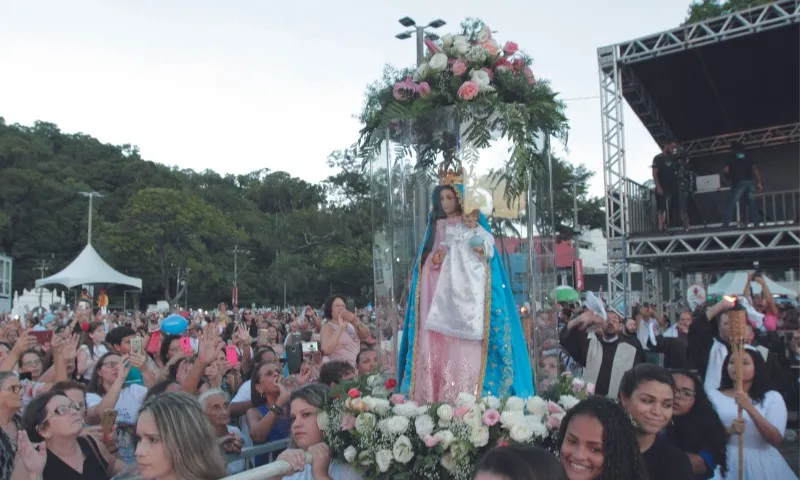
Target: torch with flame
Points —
{"points": [[737, 319]]}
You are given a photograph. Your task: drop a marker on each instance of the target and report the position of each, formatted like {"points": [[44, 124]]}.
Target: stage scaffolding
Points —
{"points": [[619, 83]]}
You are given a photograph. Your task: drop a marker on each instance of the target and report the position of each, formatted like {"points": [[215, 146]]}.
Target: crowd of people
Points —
{"points": [[688, 401], [88, 395]]}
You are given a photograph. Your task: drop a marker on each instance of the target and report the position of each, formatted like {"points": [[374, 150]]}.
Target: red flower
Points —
{"points": [[354, 393], [390, 384]]}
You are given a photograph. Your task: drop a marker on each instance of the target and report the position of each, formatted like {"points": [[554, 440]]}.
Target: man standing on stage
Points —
{"points": [[673, 178], [745, 180]]}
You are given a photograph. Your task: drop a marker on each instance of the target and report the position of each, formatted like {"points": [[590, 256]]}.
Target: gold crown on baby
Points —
{"points": [[449, 175]]}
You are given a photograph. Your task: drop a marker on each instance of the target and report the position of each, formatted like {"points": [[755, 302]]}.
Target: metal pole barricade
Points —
{"points": [[278, 468]]}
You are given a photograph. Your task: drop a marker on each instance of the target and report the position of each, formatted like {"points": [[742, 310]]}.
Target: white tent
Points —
{"points": [[87, 269], [732, 283]]}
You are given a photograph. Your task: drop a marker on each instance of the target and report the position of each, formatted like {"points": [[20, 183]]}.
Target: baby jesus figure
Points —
{"points": [[459, 304]]}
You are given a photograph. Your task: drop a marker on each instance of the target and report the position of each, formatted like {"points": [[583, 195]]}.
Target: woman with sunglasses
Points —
{"points": [[56, 422]]}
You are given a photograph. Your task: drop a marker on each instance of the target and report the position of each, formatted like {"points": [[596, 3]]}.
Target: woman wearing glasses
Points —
{"points": [[53, 445], [696, 428]]}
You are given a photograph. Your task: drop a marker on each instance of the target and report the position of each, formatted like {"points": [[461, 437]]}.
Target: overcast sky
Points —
{"points": [[240, 85]]}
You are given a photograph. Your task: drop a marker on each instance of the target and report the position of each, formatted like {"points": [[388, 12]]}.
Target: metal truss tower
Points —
{"points": [[611, 106], [617, 79]]}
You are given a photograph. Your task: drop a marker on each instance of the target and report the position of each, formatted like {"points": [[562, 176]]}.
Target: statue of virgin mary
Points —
{"points": [[462, 331]]}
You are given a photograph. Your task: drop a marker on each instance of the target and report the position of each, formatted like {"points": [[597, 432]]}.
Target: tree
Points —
{"points": [[704, 9], [171, 230]]}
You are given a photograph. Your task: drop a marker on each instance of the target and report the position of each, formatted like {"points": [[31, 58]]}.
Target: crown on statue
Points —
{"points": [[451, 175]]}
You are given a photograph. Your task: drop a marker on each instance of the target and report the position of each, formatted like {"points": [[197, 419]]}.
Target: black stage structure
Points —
{"points": [[705, 85]]}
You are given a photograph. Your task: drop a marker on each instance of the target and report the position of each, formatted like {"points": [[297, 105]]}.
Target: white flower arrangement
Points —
{"points": [[399, 439]]}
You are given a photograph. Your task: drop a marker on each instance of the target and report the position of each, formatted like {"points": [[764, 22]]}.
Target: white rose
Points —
{"points": [[540, 430], [397, 424], [567, 401], [422, 72], [382, 406], [322, 420], [484, 34], [424, 425], [364, 423], [447, 40], [407, 409], [511, 417], [447, 462], [479, 436], [465, 400], [445, 414], [520, 432], [461, 45], [438, 62], [370, 403], [350, 453], [578, 383], [384, 459], [513, 403], [445, 438], [537, 405], [492, 402], [402, 449]]}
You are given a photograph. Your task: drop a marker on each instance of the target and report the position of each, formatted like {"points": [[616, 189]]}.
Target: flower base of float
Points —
{"points": [[383, 435]]}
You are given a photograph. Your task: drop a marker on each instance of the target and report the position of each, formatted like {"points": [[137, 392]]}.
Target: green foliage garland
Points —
{"points": [[509, 101]]}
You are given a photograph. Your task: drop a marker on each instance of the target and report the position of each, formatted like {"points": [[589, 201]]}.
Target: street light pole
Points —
{"points": [[235, 302], [422, 191], [91, 195], [576, 229]]}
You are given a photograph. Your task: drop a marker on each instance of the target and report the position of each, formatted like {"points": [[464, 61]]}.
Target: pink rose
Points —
{"points": [[490, 47], [577, 388], [404, 90], [590, 388], [461, 411], [468, 90], [510, 48], [353, 393], [432, 46], [529, 76], [555, 408], [502, 65], [397, 399], [518, 64], [430, 441], [491, 417], [348, 422], [488, 72], [502, 443], [553, 422], [424, 90], [458, 68]]}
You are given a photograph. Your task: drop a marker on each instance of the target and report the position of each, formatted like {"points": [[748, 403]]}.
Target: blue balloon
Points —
{"points": [[174, 325]]}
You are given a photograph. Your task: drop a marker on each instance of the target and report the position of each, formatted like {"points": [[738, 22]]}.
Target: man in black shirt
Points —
{"points": [[745, 180], [673, 178]]}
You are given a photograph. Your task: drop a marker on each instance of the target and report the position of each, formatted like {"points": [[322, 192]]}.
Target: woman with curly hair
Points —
{"points": [[696, 428], [597, 442]]}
